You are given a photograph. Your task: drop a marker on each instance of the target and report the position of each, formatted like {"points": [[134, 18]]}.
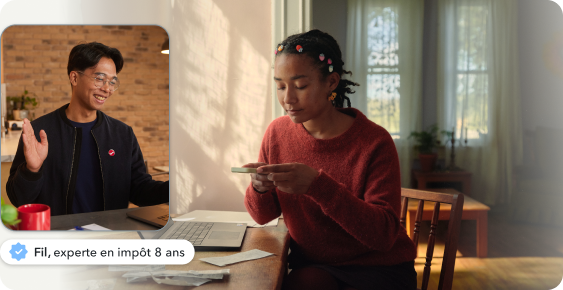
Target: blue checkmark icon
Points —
{"points": [[18, 251]]}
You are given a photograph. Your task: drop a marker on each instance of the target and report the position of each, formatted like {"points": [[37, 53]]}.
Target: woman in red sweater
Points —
{"points": [[333, 174]]}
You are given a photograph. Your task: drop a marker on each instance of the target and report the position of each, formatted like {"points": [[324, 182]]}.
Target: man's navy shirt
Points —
{"points": [[88, 196]]}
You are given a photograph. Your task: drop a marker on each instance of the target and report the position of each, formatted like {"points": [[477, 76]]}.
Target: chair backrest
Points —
{"points": [[452, 236]]}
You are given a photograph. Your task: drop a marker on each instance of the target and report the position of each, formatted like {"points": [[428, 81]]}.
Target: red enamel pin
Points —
{"points": [[111, 152]]}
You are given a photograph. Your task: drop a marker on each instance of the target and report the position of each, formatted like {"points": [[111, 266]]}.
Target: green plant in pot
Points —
{"points": [[9, 215], [21, 105], [426, 142]]}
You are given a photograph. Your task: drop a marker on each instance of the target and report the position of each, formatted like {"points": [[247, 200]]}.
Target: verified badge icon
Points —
{"points": [[18, 251]]}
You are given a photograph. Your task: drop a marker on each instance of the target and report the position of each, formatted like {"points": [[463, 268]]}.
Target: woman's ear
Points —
{"points": [[333, 80]]}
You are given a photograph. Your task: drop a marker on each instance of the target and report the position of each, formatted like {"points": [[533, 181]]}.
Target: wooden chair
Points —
{"points": [[452, 236]]}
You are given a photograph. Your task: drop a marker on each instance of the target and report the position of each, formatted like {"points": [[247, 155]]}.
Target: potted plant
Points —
{"points": [[9, 215], [426, 141], [21, 105]]}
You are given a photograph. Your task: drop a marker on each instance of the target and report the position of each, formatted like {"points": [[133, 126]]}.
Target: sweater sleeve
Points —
{"points": [[373, 221], [23, 186], [144, 190], [262, 207]]}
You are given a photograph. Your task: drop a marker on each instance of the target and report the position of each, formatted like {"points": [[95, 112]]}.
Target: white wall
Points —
{"points": [[220, 98], [331, 16], [540, 31]]}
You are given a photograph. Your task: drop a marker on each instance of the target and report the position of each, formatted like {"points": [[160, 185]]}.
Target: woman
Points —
{"points": [[333, 174]]}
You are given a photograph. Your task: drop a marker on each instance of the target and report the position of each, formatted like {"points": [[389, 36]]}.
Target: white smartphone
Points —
{"points": [[243, 170]]}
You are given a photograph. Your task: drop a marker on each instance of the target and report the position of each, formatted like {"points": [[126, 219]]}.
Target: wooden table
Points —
{"points": [[265, 273], [421, 179], [162, 168], [472, 210], [116, 220]]}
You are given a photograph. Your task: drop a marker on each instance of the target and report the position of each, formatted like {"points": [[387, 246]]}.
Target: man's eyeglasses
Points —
{"points": [[101, 80]]}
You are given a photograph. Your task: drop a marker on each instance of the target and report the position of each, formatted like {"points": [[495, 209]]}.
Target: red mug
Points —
{"points": [[34, 217]]}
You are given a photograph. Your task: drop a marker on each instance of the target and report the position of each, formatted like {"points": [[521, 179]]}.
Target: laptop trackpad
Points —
{"points": [[216, 235]]}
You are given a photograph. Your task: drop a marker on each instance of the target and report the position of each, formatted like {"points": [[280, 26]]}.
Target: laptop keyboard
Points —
{"points": [[194, 232]]}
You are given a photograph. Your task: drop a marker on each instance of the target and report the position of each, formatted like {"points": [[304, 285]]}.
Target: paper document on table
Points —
{"points": [[222, 217], [240, 257], [180, 281], [104, 284], [174, 277], [186, 278], [135, 276], [212, 274], [136, 268], [205, 272], [91, 227]]}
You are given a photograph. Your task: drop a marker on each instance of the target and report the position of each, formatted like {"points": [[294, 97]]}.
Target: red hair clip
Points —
{"points": [[299, 48]]}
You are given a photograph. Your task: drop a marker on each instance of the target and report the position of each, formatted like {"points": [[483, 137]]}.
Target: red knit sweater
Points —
{"points": [[350, 214]]}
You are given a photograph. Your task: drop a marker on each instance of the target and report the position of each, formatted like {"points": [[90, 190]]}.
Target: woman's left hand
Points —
{"points": [[290, 177]]}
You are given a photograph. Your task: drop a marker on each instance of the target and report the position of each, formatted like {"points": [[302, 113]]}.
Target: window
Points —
{"points": [[384, 52], [383, 76], [471, 100]]}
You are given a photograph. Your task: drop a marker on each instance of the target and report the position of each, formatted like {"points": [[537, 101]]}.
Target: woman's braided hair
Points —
{"points": [[315, 43]]}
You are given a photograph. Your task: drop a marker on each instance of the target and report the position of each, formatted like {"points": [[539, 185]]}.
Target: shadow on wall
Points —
{"points": [[221, 104]]}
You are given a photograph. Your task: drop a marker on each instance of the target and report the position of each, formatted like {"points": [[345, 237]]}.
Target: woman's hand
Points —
{"points": [[290, 177], [260, 182]]}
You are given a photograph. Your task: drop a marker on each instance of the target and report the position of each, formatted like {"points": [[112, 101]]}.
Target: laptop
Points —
{"points": [[204, 236], [153, 215]]}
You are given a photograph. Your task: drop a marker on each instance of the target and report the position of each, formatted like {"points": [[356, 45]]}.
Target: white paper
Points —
{"points": [[92, 227], [222, 271], [136, 268], [95, 227], [136, 279], [240, 257], [105, 284], [161, 275], [210, 274], [211, 216], [134, 274], [181, 281]]}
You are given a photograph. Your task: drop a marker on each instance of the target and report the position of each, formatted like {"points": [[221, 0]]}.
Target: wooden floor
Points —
{"points": [[521, 256]]}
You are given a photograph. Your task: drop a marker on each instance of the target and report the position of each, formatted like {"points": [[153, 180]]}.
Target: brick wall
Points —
{"points": [[36, 57]]}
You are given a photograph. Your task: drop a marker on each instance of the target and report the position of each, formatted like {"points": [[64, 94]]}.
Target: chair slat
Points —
{"points": [[452, 235], [448, 262], [404, 207], [427, 195], [418, 222], [430, 248]]}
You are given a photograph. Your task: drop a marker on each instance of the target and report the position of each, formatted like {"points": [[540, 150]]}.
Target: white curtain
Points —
{"points": [[478, 93], [384, 52]]}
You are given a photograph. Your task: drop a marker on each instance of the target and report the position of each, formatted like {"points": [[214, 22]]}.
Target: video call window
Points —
{"points": [[34, 66]]}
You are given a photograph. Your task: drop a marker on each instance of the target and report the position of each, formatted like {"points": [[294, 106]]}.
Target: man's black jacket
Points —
{"points": [[124, 175]]}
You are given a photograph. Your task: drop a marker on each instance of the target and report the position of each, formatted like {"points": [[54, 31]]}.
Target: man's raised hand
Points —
{"points": [[34, 152]]}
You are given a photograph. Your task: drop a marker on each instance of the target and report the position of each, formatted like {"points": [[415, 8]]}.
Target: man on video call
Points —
{"points": [[93, 162]]}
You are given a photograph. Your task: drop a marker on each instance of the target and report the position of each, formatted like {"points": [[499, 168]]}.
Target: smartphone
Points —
{"points": [[243, 170]]}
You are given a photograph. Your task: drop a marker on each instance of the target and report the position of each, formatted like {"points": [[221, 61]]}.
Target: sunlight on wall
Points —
{"points": [[249, 100], [552, 58], [222, 110]]}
